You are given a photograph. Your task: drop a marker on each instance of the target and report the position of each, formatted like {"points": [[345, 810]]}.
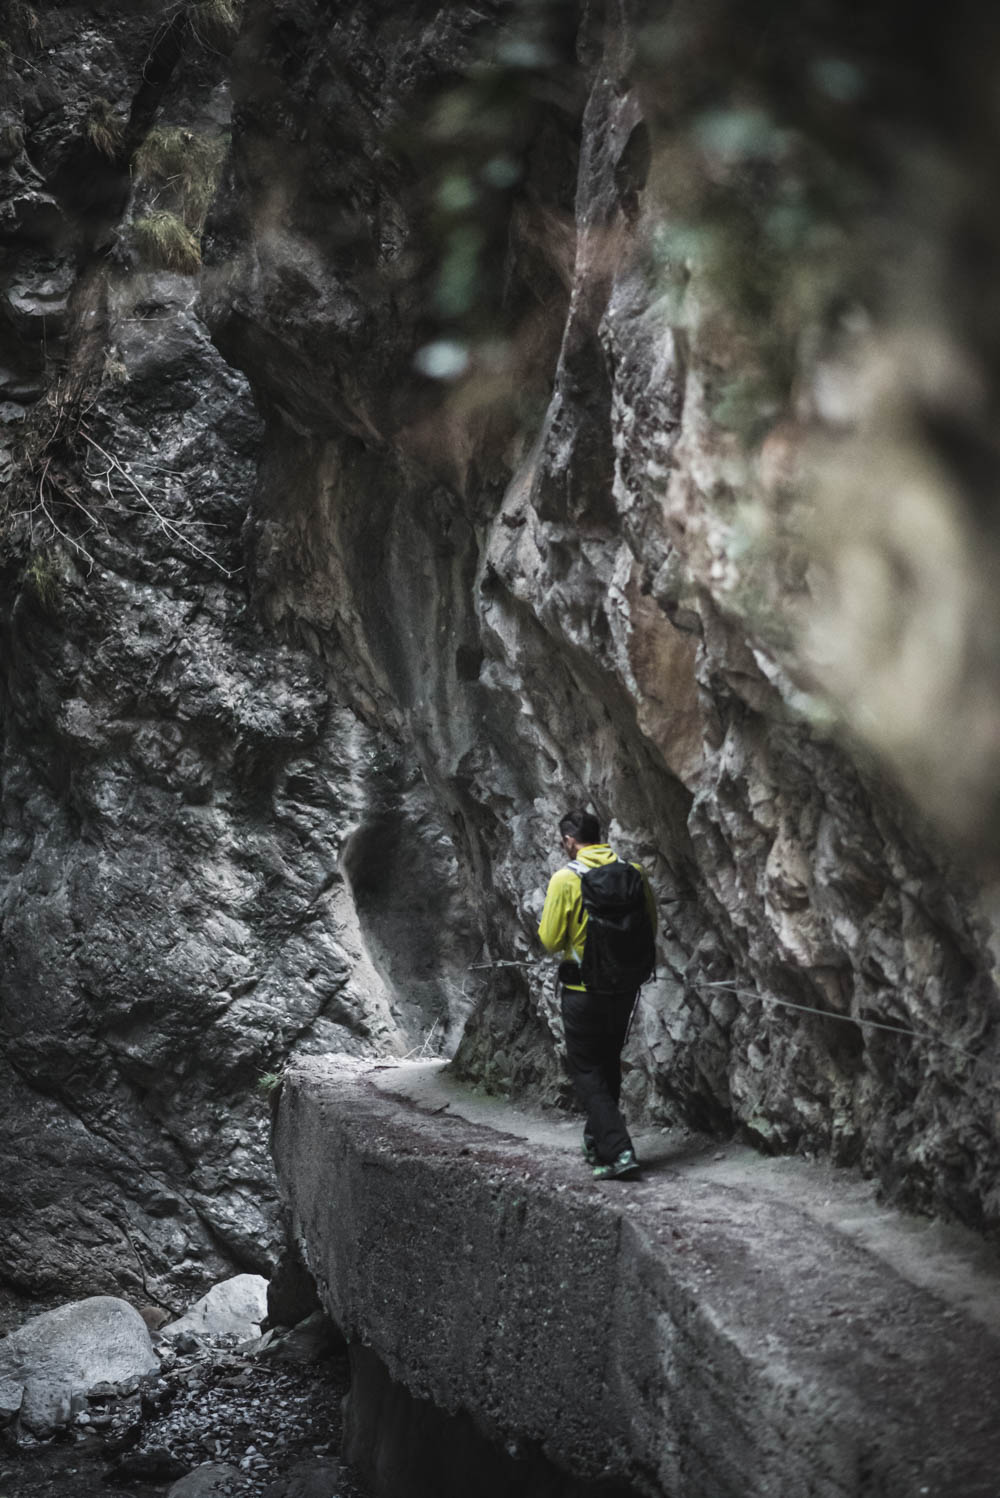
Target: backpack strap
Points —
{"points": [[576, 867]]}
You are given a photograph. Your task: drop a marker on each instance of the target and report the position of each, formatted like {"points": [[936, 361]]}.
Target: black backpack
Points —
{"points": [[619, 952]]}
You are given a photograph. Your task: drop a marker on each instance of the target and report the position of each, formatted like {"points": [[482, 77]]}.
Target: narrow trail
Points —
{"points": [[726, 1326], [946, 1259]]}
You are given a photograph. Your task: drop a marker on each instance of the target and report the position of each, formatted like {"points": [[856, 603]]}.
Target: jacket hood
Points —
{"points": [[596, 854]]}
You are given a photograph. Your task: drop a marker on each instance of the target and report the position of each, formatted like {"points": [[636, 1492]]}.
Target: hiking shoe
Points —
{"points": [[624, 1164], [590, 1152]]}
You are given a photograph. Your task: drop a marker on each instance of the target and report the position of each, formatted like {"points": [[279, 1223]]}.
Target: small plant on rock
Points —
{"points": [[115, 369], [185, 166], [105, 131], [164, 240], [215, 22], [43, 578]]}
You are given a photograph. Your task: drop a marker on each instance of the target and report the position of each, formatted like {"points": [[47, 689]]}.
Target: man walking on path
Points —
{"points": [[600, 975]]}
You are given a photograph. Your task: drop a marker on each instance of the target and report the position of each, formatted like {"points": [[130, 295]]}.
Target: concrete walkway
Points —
{"points": [[726, 1327]]}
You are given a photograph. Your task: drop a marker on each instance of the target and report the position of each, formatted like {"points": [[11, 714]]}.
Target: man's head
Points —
{"points": [[578, 829]]}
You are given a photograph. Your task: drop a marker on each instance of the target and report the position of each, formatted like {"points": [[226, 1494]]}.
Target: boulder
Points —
{"points": [[291, 1290], [11, 1394], [310, 1341], [213, 1480], [62, 1354], [320, 1477], [236, 1305]]}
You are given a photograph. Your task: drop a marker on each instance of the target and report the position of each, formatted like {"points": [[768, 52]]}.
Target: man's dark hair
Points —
{"points": [[582, 826]]}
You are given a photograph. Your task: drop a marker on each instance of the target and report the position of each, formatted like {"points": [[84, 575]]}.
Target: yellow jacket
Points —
{"points": [[563, 926]]}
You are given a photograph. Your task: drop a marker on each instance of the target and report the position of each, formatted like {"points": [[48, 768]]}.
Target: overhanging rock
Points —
{"points": [[677, 1335]]}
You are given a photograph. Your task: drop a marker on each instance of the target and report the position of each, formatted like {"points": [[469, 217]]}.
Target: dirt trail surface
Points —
{"points": [[724, 1327]]}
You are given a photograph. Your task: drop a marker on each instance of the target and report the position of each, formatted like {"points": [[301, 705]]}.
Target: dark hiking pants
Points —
{"points": [[595, 1033]]}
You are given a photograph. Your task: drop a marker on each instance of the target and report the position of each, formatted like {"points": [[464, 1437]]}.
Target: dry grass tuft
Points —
{"points": [[165, 241], [185, 165], [43, 577], [105, 131], [215, 22]]}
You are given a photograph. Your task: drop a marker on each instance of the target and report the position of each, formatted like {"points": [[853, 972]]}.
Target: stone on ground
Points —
{"points": [[236, 1305], [318, 1478], [310, 1341], [67, 1351], [213, 1480], [11, 1394]]}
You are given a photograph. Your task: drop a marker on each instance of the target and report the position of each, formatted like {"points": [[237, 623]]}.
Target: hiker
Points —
{"points": [[600, 914]]}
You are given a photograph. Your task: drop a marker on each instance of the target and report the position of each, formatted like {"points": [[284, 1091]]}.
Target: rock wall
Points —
{"points": [[195, 884], [544, 405], [554, 607]]}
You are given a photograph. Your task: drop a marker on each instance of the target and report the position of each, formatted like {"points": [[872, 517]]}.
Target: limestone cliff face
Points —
{"points": [[475, 472], [205, 847], [556, 608]]}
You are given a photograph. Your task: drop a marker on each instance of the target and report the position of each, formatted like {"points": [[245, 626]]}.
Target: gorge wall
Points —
{"points": [[419, 420]]}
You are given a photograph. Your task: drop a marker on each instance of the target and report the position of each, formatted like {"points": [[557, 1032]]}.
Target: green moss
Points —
{"points": [[164, 240], [185, 165]]}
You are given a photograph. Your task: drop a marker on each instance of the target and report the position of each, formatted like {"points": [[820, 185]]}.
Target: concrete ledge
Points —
{"points": [[674, 1335]]}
